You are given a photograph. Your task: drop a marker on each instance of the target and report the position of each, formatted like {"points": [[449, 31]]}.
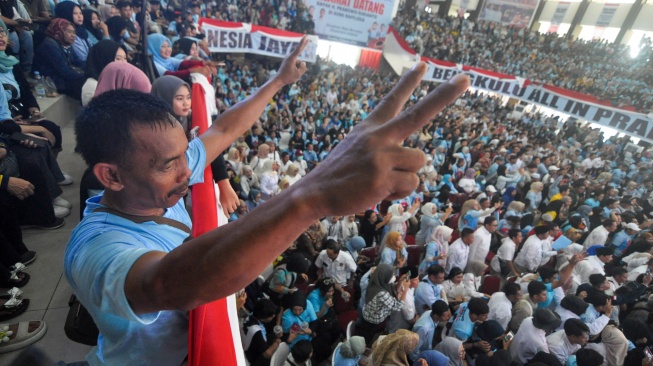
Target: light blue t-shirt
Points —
{"points": [[100, 253], [340, 360], [289, 318], [463, 327]]}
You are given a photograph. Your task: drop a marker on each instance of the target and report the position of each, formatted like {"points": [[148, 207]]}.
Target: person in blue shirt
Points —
{"points": [[429, 327], [430, 289], [467, 316], [622, 239], [296, 318], [349, 352]]}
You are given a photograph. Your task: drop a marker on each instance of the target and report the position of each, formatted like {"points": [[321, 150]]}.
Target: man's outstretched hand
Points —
{"points": [[370, 164], [291, 68]]}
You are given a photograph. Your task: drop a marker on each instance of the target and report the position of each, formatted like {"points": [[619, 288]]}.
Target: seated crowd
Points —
{"points": [[596, 68], [526, 242]]}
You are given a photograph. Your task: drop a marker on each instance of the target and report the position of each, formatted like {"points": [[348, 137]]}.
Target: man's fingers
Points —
{"points": [[302, 44], [418, 115], [405, 184], [394, 101], [408, 160]]}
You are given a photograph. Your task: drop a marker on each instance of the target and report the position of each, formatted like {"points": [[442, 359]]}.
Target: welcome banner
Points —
{"points": [[362, 23], [230, 37]]}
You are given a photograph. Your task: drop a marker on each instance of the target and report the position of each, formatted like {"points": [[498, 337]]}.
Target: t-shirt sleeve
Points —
{"points": [[102, 267], [196, 156]]}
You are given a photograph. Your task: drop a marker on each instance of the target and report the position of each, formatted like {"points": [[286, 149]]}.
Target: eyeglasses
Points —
{"points": [[329, 281]]}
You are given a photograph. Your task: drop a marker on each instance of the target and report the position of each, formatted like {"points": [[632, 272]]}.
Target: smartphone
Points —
{"points": [[19, 137], [508, 337], [648, 353]]}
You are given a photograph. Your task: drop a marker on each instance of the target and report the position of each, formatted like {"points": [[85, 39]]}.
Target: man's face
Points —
{"points": [[514, 298], [478, 318], [469, 239], [158, 174], [443, 318], [580, 340], [541, 297], [437, 279], [605, 258], [492, 227], [126, 12], [333, 255], [517, 239]]}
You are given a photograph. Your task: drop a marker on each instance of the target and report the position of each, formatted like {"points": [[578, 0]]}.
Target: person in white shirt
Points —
{"points": [[531, 336], [501, 303], [337, 264], [502, 263], [599, 236], [407, 316], [333, 227], [530, 256], [459, 250], [482, 239], [259, 160], [566, 342], [594, 264], [597, 317]]}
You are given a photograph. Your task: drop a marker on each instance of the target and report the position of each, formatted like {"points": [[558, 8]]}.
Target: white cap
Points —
{"points": [[491, 188], [535, 176], [553, 167], [632, 226]]}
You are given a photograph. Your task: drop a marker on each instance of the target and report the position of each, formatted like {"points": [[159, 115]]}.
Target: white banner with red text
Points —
{"points": [[575, 104], [230, 37]]}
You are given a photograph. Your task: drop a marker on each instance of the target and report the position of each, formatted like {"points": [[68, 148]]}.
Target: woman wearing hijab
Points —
{"points": [[508, 196], [446, 181], [394, 253], [258, 343], [399, 220], [73, 13], [117, 27], [188, 49], [270, 179], [297, 316], [429, 221], [96, 28], [534, 196], [437, 248], [431, 358], [515, 208], [254, 199], [381, 299], [106, 12], [394, 349], [354, 246], [452, 348], [55, 58], [284, 278], [99, 56], [159, 47], [21, 101], [505, 179], [467, 183], [350, 352]]}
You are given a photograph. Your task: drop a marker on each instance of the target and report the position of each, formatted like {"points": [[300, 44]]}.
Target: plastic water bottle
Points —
{"points": [[39, 87]]}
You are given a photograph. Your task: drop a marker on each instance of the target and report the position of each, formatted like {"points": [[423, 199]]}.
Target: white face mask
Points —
{"points": [[392, 280]]}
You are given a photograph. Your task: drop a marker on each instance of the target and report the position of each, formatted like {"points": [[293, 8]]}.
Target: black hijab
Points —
{"points": [[380, 281], [99, 56], [88, 23], [116, 25], [185, 45], [65, 10]]}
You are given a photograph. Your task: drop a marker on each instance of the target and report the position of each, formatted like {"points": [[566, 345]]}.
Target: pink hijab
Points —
{"points": [[122, 75]]}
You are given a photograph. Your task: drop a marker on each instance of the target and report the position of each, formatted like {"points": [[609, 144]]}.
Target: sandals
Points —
{"points": [[17, 279], [13, 306], [23, 337]]}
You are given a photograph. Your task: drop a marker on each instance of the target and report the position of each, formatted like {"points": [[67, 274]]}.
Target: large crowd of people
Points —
{"points": [[526, 241], [603, 70]]}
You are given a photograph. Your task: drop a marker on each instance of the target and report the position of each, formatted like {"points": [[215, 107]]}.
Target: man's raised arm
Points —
{"points": [[237, 119], [366, 167]]}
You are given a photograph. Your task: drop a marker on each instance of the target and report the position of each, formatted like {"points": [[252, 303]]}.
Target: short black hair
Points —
{"points": [[439, 307], [607, 222], [264, 308], [324, 285], [511, 289], [513, 233], [619, 271], [597, 279], [103, 129], [535, 288], [489, 220], [123, 4], [588, 357], [597, 298], [575, 327], [434, 270], [466, 232], [333, 245], [478, 306], [603, 251], [546, 272], [302, 350]]}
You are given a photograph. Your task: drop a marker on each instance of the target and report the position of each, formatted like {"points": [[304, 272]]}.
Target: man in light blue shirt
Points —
{"points": [[431, 322], [467, 316], [430, 289]]}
